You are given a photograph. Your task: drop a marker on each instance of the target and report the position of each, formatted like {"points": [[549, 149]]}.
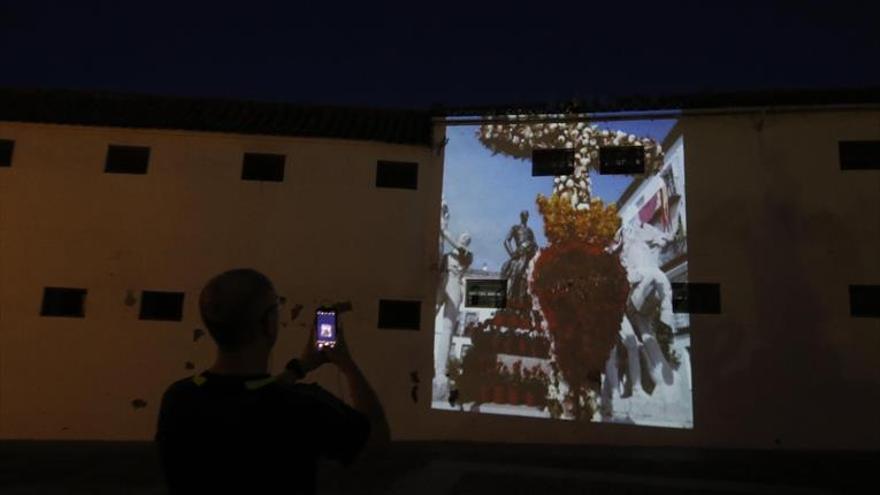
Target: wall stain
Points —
{"points": [[414, 391], [138, 404], [130, 300], [295, 311], [189, 365], [197, 334]]}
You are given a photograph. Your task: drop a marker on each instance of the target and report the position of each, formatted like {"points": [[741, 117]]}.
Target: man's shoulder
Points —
{"points": [[182, 386]]}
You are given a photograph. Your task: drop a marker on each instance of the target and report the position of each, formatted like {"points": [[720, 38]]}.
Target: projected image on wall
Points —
{"points": [[555, 296]]}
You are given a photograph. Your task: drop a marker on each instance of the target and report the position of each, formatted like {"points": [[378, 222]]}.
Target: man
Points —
{"points": [[521, 247], [235, 428]]}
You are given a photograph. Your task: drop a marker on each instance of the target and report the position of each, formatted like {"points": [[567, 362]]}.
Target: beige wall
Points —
{"points": [[325, 233], [771, 218]]}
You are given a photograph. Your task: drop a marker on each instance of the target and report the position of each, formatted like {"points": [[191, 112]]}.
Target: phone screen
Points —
{"points": [[325, 328]]}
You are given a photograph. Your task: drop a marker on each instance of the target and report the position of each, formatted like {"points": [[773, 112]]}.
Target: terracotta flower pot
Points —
{"points": [[485, 393], [513, 394], [499, 394], [534, 350], [506, 344], [523, 345], [543, 348], [530, 398]]}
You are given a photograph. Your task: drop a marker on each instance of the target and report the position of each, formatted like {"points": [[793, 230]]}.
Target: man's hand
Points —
{"points": [[339, 353], [312, 358]]}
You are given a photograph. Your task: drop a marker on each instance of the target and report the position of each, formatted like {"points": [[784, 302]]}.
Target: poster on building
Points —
{"points": [[555, 296]]}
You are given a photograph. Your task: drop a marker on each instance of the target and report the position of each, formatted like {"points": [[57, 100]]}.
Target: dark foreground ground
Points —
{"points": [[441, 468]]}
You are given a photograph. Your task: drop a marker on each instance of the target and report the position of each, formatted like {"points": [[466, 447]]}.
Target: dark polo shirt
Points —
{"points": [[252, 433]]}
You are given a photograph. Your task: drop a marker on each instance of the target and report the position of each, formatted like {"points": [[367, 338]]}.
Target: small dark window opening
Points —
{"points": [[400, 315], [165, 306], [127, 159], [859, 155], [621, 160], [864, 301], [263, 167], [696, 298], [397, 175], [7, 146], [486, 293], [552, 162], [63, 301]]}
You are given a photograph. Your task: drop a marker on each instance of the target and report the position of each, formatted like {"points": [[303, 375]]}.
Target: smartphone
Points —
{"points": [[325, 328]]}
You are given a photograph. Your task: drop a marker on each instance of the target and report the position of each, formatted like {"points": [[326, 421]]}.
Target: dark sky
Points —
{"points": [[468, 53]]}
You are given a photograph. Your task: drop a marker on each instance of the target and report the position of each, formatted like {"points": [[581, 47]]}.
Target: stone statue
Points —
{"points": [[449, 297], [649, 302], [521, 247]]}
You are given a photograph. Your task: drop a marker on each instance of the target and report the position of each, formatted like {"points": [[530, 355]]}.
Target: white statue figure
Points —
{"points": [[449, 298], [650, 292]]}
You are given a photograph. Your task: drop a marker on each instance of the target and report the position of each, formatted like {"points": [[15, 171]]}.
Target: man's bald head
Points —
{"points": [[235, 306]]}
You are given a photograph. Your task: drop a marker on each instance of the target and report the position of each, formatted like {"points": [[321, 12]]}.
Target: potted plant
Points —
{"points": [[543, 347], [506, 343], [499, 389], [514, 384], [494, 339], [489, 378], [541, 382], [529, 387], [522, 343], [479, 336], [530, 338]]}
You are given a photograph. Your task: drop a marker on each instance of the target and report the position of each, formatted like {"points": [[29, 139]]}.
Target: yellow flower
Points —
{"points": [[562, 222]]}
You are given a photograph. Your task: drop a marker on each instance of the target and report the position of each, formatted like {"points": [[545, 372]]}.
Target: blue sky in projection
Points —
{"points": [[485, 193]]}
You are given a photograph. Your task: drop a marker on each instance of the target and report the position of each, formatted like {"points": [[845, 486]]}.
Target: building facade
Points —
{"points": [[773, 218]]}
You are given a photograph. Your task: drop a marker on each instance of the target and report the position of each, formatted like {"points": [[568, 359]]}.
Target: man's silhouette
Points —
{"points": [[235, 428]]}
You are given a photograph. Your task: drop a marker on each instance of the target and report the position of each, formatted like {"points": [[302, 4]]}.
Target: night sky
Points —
{"points": [[421, 54]]}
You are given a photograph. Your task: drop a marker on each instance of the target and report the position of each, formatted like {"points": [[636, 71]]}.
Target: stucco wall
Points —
{"points": [[771, 218], [324, 234]]}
